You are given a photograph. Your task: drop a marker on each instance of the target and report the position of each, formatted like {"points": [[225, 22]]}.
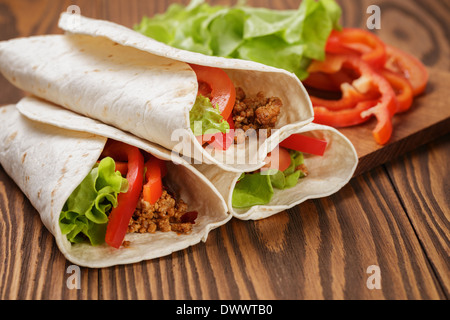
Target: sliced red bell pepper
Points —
{"points": [[305, 144], [343, 118], [409, 67], [383, 111], [127, 202], [358, 41], [153, 188], [402, 88], [350, 98]]}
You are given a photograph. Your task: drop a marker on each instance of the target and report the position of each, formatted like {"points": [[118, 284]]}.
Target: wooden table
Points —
{"points": [[394, 216]]}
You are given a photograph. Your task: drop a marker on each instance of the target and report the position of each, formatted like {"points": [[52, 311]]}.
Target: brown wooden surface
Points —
{"points": [[393, 214]]}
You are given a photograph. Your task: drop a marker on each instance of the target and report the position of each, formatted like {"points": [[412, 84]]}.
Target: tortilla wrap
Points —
{"points": [[48, 163], [327, 175], [118, 76]]}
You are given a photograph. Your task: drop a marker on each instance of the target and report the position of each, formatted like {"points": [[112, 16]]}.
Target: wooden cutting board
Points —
{"points": [[428, 119]]}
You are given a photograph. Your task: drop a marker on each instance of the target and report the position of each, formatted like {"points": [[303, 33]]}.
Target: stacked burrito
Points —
{"points": [[106, 148]]}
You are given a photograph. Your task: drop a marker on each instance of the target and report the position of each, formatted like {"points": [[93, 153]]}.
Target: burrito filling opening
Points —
{"points": [[222, 113], [125, 192], [285, 168]]}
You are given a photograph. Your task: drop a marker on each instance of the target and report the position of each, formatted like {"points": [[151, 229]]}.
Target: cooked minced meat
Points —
{"points": [[255, 112], [165, 215]]}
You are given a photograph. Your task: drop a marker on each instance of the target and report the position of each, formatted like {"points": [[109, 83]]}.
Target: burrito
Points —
{"points": [[108, 197], [184, 101], [311, 162]]}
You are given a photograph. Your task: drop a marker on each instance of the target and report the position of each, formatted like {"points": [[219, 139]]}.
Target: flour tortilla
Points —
{"points": [[48, 163], [113, 74], [327, 175]]}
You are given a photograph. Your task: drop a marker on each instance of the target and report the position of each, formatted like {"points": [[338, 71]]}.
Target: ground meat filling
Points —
{"points": [[165, 215], [255, 112]]}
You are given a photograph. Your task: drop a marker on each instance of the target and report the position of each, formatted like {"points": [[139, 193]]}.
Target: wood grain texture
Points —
{"points": [[425, 196], [393, 216]]}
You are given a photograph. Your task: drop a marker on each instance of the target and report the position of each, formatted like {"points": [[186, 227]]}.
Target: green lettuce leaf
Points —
{"points": [[206, 119], [287, 39], [258, 188], [252, 190], [85, 213]]}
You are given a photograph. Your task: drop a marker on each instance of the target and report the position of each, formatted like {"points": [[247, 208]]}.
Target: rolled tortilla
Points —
{"points": [[327, 175], [48, 163], [113, 74]]}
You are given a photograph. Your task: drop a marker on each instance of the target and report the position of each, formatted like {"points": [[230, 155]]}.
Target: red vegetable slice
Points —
{"points": [[305, 144], [358, 41], [153, 188], [127, 202], [223, 92], [409, 67], [384, 110]]}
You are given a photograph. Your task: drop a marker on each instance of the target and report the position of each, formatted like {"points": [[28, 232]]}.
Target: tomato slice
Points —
{"points": [[280, 160], [408, 66], [305, 144], [223, 141], [223, 92]]}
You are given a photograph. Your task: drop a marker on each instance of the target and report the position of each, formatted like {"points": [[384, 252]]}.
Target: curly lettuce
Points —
{"points": [[286, 39], [85, 213], [206, 118]]}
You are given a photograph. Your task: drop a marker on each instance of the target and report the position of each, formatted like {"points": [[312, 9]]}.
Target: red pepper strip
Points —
{"points": [[403, 89], [321, 81], [350, 98], [152, 189], [351, 40], [409, 67], [343, 118], [302, 143], [383, 111], [127, 202]]}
